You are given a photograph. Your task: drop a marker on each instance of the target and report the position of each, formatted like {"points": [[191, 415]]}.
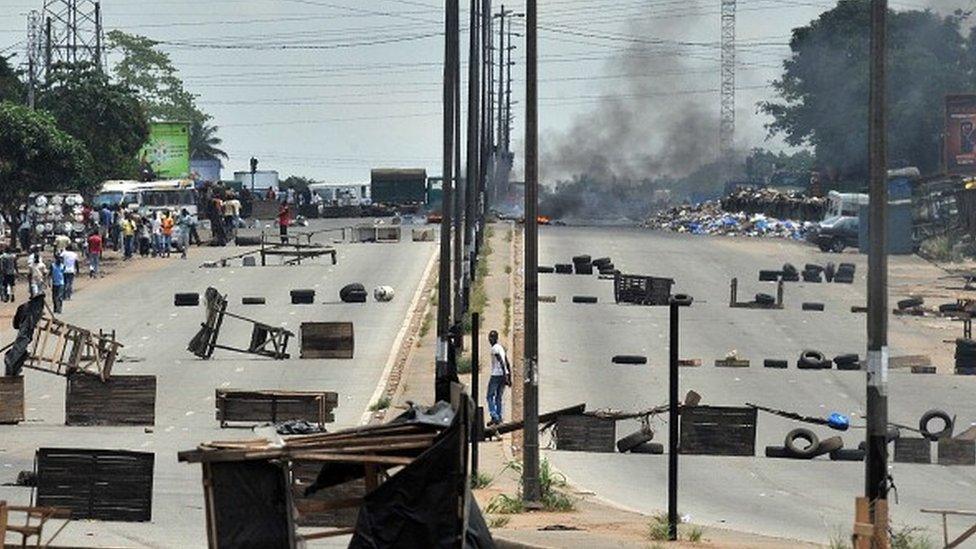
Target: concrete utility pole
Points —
{"points": [[473, 171], [501, 75], [458, 213], [876, 464], [443, 373], [531, 491], [485, 133], [506, 142]]}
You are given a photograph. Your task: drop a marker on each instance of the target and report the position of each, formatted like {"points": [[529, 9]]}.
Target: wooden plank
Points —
{"points": [[122, 400], [718, 430], [327, 340], [583, 433], [351, 458], [11, 399], [503, 428], [913, 450], [956, 452]]}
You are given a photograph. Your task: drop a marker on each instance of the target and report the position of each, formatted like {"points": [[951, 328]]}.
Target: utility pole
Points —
{"points": [[531, 490], [727, 95], [501, 73], [458, 214], [490, 113], [485, 127], [33, 54], [876, 464], [506, 142], [473, 153], [443, 369]]}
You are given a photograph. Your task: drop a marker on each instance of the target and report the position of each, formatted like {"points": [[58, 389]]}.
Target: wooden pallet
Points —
{"points": [[956, 452], [327, 340], [274, 406], [64, 349], [11, 399], [122, 400], [718, 430], [584, 433], [913, 450]]}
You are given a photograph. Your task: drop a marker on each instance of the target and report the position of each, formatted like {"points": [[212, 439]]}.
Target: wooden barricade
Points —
{"points": [[122, 400], [327, 340], [11, 399], [274, 406], [718, 430]]}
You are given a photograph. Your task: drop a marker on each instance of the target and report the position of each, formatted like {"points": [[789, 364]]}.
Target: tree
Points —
{"points": [[204, 143], [106, 117], [824, 87], [36, 156], [11, 88]]}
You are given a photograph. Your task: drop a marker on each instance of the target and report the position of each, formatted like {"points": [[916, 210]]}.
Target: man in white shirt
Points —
{"points": [[70, 258], [501, 375]]}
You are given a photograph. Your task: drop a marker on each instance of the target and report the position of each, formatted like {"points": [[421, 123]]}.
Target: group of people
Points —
{"points": [[59, 274], [156, 234]]}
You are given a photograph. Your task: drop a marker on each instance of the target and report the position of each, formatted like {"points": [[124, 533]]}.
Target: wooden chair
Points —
{"points": [[36, 518]]}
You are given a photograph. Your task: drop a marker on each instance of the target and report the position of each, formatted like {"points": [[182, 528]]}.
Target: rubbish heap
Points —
{"points": [[743, 213]]}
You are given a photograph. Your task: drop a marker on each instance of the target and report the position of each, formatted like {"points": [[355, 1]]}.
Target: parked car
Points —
{"points": [[834, 234]]}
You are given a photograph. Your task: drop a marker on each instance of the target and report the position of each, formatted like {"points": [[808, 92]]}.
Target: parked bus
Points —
{"points": [[173, 195]]}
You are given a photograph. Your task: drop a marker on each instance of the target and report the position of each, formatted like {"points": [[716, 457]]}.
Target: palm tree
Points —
{"points": [[204, 143]]}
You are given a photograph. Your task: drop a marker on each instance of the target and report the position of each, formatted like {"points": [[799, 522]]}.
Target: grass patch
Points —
{"points": [[910, 537], [425, 325], [657, 530], [695, 534], [553, 499], [481, 480], [464, 364], [508, 269], [382, 404], [504, 504], [508, 315], [479, 295], [498, 522]]}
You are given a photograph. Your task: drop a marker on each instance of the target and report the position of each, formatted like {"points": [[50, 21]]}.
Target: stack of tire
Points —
{"points": [[789, 273], [604, 265], [812, 360], [844, 274], [965, 356], [583, 265], [849, 361], [639, 442], [811, 273], [811, 447], [563, 268], [353, 293]]}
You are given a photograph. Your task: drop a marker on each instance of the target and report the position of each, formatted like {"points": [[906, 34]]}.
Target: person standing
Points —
{"points": [[194, 237], [145, 237], [184, 223], [70, 259], [284, 220], [501, 376], [166, 224], [8, 274], [128, 237], [57, 283], [157, 235], [37, 274], [94, 254]]}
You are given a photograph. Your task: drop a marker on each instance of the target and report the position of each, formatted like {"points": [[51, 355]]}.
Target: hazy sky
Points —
{"points": [[356, 84]]}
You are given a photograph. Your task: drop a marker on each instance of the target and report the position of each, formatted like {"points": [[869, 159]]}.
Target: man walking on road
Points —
{"points": [[8, 274], [57, 283], [501, 376], [94, 254], [70, 258], [284, 220]]}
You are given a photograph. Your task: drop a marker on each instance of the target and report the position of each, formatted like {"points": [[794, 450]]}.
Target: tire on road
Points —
{"points": [[769, 276], [775, 363], [828, 445], [186, 299], [353, 293], [600, 261], [847, 454], [927, 417], [248, 241], [629, 359], [778, 452], [801, 433], [564, 268], [910, 303], [765, 299], [811, 360], [849, 361], [812, 306], [543, 269], [584, 299], [578, 259], [654, 448], [628, 442], [252, 300]]}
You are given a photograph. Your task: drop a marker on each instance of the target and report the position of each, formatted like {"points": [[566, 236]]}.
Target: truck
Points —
{"points": [[398, 186]]}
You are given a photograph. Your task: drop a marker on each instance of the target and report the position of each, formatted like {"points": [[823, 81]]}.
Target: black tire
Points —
{"points": [[843, 279], [846, 267], [252, 300], [810, 306], [682, 300], [837, 245], [302, 297], [653, 448], [811, 360], [187, 299], [629, 359], [546, 269], [824, 246], [829, 444], [353, 293], [812, 277], [848, 358], [778, 452], [765, 299], [845, 454], [769, 276], [584, 268], [788, 268], [248, 241], [910, 303], [791, 277], [598, 262], [564, 268], [949, 308], [829, 271], [927, 417], [775, 363], [849, 366], [808, 451], [813, 267], [582, 259], [584, 299], [628, 442]]}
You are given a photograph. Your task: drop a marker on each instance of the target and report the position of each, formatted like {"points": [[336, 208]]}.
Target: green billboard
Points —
{"points": [[167, 153]]}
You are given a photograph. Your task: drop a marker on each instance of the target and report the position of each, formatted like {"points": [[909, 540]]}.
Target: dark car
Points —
{"points": [[835, 234]]}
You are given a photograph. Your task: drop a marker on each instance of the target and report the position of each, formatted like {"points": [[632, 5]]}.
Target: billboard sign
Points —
{"points": [[167, 153], [960, 134]]}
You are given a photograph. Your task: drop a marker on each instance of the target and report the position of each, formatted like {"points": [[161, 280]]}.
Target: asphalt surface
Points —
{"points": [[808, 500], [155, 334]]}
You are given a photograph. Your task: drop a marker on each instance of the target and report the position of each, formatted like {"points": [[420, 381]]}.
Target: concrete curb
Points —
{"points": [[502, 542]]}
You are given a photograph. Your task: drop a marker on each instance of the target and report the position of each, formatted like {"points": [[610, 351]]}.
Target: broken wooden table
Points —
{"points": [[957, 541], [64, 349], [33, 527], [266, 340]]}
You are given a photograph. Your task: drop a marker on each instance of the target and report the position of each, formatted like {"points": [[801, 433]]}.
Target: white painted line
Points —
{"points": [[398, 342]]}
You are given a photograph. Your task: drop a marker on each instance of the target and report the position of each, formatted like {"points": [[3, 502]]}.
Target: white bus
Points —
{"points": [[173, 195]]}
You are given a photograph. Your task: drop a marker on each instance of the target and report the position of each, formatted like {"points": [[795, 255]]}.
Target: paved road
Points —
{"points": [[802, 500], [142, 312]]}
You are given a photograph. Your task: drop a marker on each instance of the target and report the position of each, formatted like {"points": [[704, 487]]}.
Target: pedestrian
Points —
{"points": [[501, 376], [145, 237], [70, 258], [24, 230], [284, 219], [8, 274], [37, 274], [128, 237], [184, 231], [94, 254], [157, 234], [105, 223], [166, 224], [61, 241], [194, 237], [57, 283]]}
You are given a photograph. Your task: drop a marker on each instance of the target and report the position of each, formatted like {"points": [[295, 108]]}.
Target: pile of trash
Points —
{"points": [[711, 219], [775, 203]]}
